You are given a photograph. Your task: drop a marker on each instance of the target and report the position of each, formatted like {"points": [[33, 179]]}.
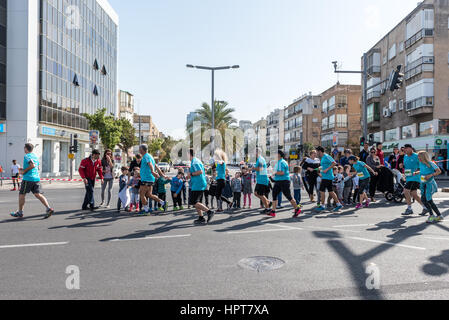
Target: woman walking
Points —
{"points": [[429, 187], [311, 166], [221, 159], [108, 166], [373, 161]]}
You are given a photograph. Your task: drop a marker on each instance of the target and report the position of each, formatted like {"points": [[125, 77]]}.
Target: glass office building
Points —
{"points": [[76, 43]]}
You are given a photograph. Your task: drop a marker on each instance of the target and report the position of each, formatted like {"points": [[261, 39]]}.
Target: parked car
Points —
{"points": [[164, 166]]}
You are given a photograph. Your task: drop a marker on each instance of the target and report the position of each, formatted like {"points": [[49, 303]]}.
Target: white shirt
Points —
{"points": [[15, 169]]}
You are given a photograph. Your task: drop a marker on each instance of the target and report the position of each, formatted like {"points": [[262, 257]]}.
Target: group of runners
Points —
{"points": [[419, 171]]}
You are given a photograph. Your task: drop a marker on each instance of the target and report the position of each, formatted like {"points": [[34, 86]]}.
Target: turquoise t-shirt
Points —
{"points": [[198, 183], [282, 165], [33, 174], [145, 171], [425, 170], [262, 175], [362, 171], [221, 171], [326, 162], [411, 165]]}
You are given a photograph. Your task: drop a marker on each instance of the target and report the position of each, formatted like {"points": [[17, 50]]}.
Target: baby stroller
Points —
{"points": [[398, 194]]}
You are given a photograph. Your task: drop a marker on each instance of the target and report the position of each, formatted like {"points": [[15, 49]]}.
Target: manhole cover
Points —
{"points": [[261, 264]]}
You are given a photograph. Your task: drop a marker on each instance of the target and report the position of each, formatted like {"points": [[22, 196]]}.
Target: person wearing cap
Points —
{"points": [[327, 178], [413, 178], [282, 185], [363, 173]]}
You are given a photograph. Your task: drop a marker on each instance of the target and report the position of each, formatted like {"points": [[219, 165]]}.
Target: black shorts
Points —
{"points": [[326, 185], [147, 184], [30, 186], [282, 187], [15, 176], [196, 197], [412, 186], [262, 190], [364, 185]]}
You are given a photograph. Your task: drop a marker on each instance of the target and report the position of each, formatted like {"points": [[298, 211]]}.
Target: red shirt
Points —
{"points": [[380, 154], [88, 169]]}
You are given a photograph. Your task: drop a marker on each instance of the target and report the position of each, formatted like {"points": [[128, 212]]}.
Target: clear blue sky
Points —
{"points": [[284, 48]]}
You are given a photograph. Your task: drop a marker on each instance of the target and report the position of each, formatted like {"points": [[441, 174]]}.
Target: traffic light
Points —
{"points": [[371, 139], [74, 144], [396, 79], [362, 141]]}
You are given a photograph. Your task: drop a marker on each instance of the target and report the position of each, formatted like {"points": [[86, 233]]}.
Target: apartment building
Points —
{"points": [[341, 116], [275, 133], [419, 112], [126, 106], [146, 127]]}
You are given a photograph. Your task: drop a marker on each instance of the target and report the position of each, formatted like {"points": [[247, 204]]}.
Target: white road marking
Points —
{"points": [[388, 243], [364, 225], [333, 229], [437, 238], [259, 231], [285, 227], [34, 245], [152, 238]]}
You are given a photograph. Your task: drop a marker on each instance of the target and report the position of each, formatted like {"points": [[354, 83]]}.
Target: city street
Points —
{"points": [[122, 256]]}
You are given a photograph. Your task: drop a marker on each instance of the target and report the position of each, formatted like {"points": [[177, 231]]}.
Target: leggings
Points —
{"points": [[107, 183], [249, 199], [220, 187], [430, 205], [312, 185]]}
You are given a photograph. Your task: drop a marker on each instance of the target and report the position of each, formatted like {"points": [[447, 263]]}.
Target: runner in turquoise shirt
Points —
{"points": [[428, 171]]}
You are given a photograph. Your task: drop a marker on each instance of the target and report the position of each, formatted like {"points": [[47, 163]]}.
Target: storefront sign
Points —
{"points": [[335, 139], [438, 142], [2, 128]]}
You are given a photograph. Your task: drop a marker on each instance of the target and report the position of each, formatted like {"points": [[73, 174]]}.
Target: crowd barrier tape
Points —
{"points": [[64, 180]]}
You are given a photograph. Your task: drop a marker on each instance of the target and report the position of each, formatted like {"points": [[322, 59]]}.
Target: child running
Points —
{"points": [[362, 172], [428, 171], [247, 180], [161, 182], [123, 194], [297, 184]]}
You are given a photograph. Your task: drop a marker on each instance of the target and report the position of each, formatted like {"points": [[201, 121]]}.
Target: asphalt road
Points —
{"points": [[325, 256]]}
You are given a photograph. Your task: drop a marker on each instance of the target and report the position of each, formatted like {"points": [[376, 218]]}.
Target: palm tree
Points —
{"points": [[224, 119]]}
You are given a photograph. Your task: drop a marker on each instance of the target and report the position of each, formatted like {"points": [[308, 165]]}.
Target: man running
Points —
{"points": [[149, 172], [88, 170], [15, 172], [327, 177], [413, 178], [31, 182], [262, 182], [282, 185], [363, 173], [198, 184]]}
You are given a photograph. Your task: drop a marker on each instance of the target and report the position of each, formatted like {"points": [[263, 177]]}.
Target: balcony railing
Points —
{"points": [[372, 95], [373, 69], [418, 36], [420, 102], [416, 67]]}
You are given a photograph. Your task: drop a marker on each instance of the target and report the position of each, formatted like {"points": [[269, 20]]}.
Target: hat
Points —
{"points": [[408, 146], [352, 158]]}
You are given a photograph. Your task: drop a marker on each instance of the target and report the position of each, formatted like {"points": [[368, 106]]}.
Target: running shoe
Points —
{"points": [[338, 208], [320, 209], [49, 213], [175, 209], [439, 219], [181, 208], [200, 221], [432, 219], [272, 214], [17, 214], [210, 216], [408, 212], [424, 212], [297, 212], [367, 203], [358, 206]]}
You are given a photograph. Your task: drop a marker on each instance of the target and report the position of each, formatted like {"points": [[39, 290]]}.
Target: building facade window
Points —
{"points": [[342, 120], [391, 135], [409, 131], [427, 128]]}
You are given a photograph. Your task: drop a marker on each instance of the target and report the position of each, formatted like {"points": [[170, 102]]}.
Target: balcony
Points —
{"points": [[420, 106], [374, 69], [417, 67], [418, 36], [373, 95]]}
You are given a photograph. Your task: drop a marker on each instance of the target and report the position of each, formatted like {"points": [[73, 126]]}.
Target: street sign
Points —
{"points": [[71, 156], [294, 157]]}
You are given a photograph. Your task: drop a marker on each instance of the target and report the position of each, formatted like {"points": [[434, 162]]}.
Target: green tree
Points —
{"points": [[155, 147], [167, 146], [224, 119], [128, 137], [110, 129]]}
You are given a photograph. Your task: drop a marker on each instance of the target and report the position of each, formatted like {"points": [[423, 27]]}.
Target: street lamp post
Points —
{"points": [[213, 69]]}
